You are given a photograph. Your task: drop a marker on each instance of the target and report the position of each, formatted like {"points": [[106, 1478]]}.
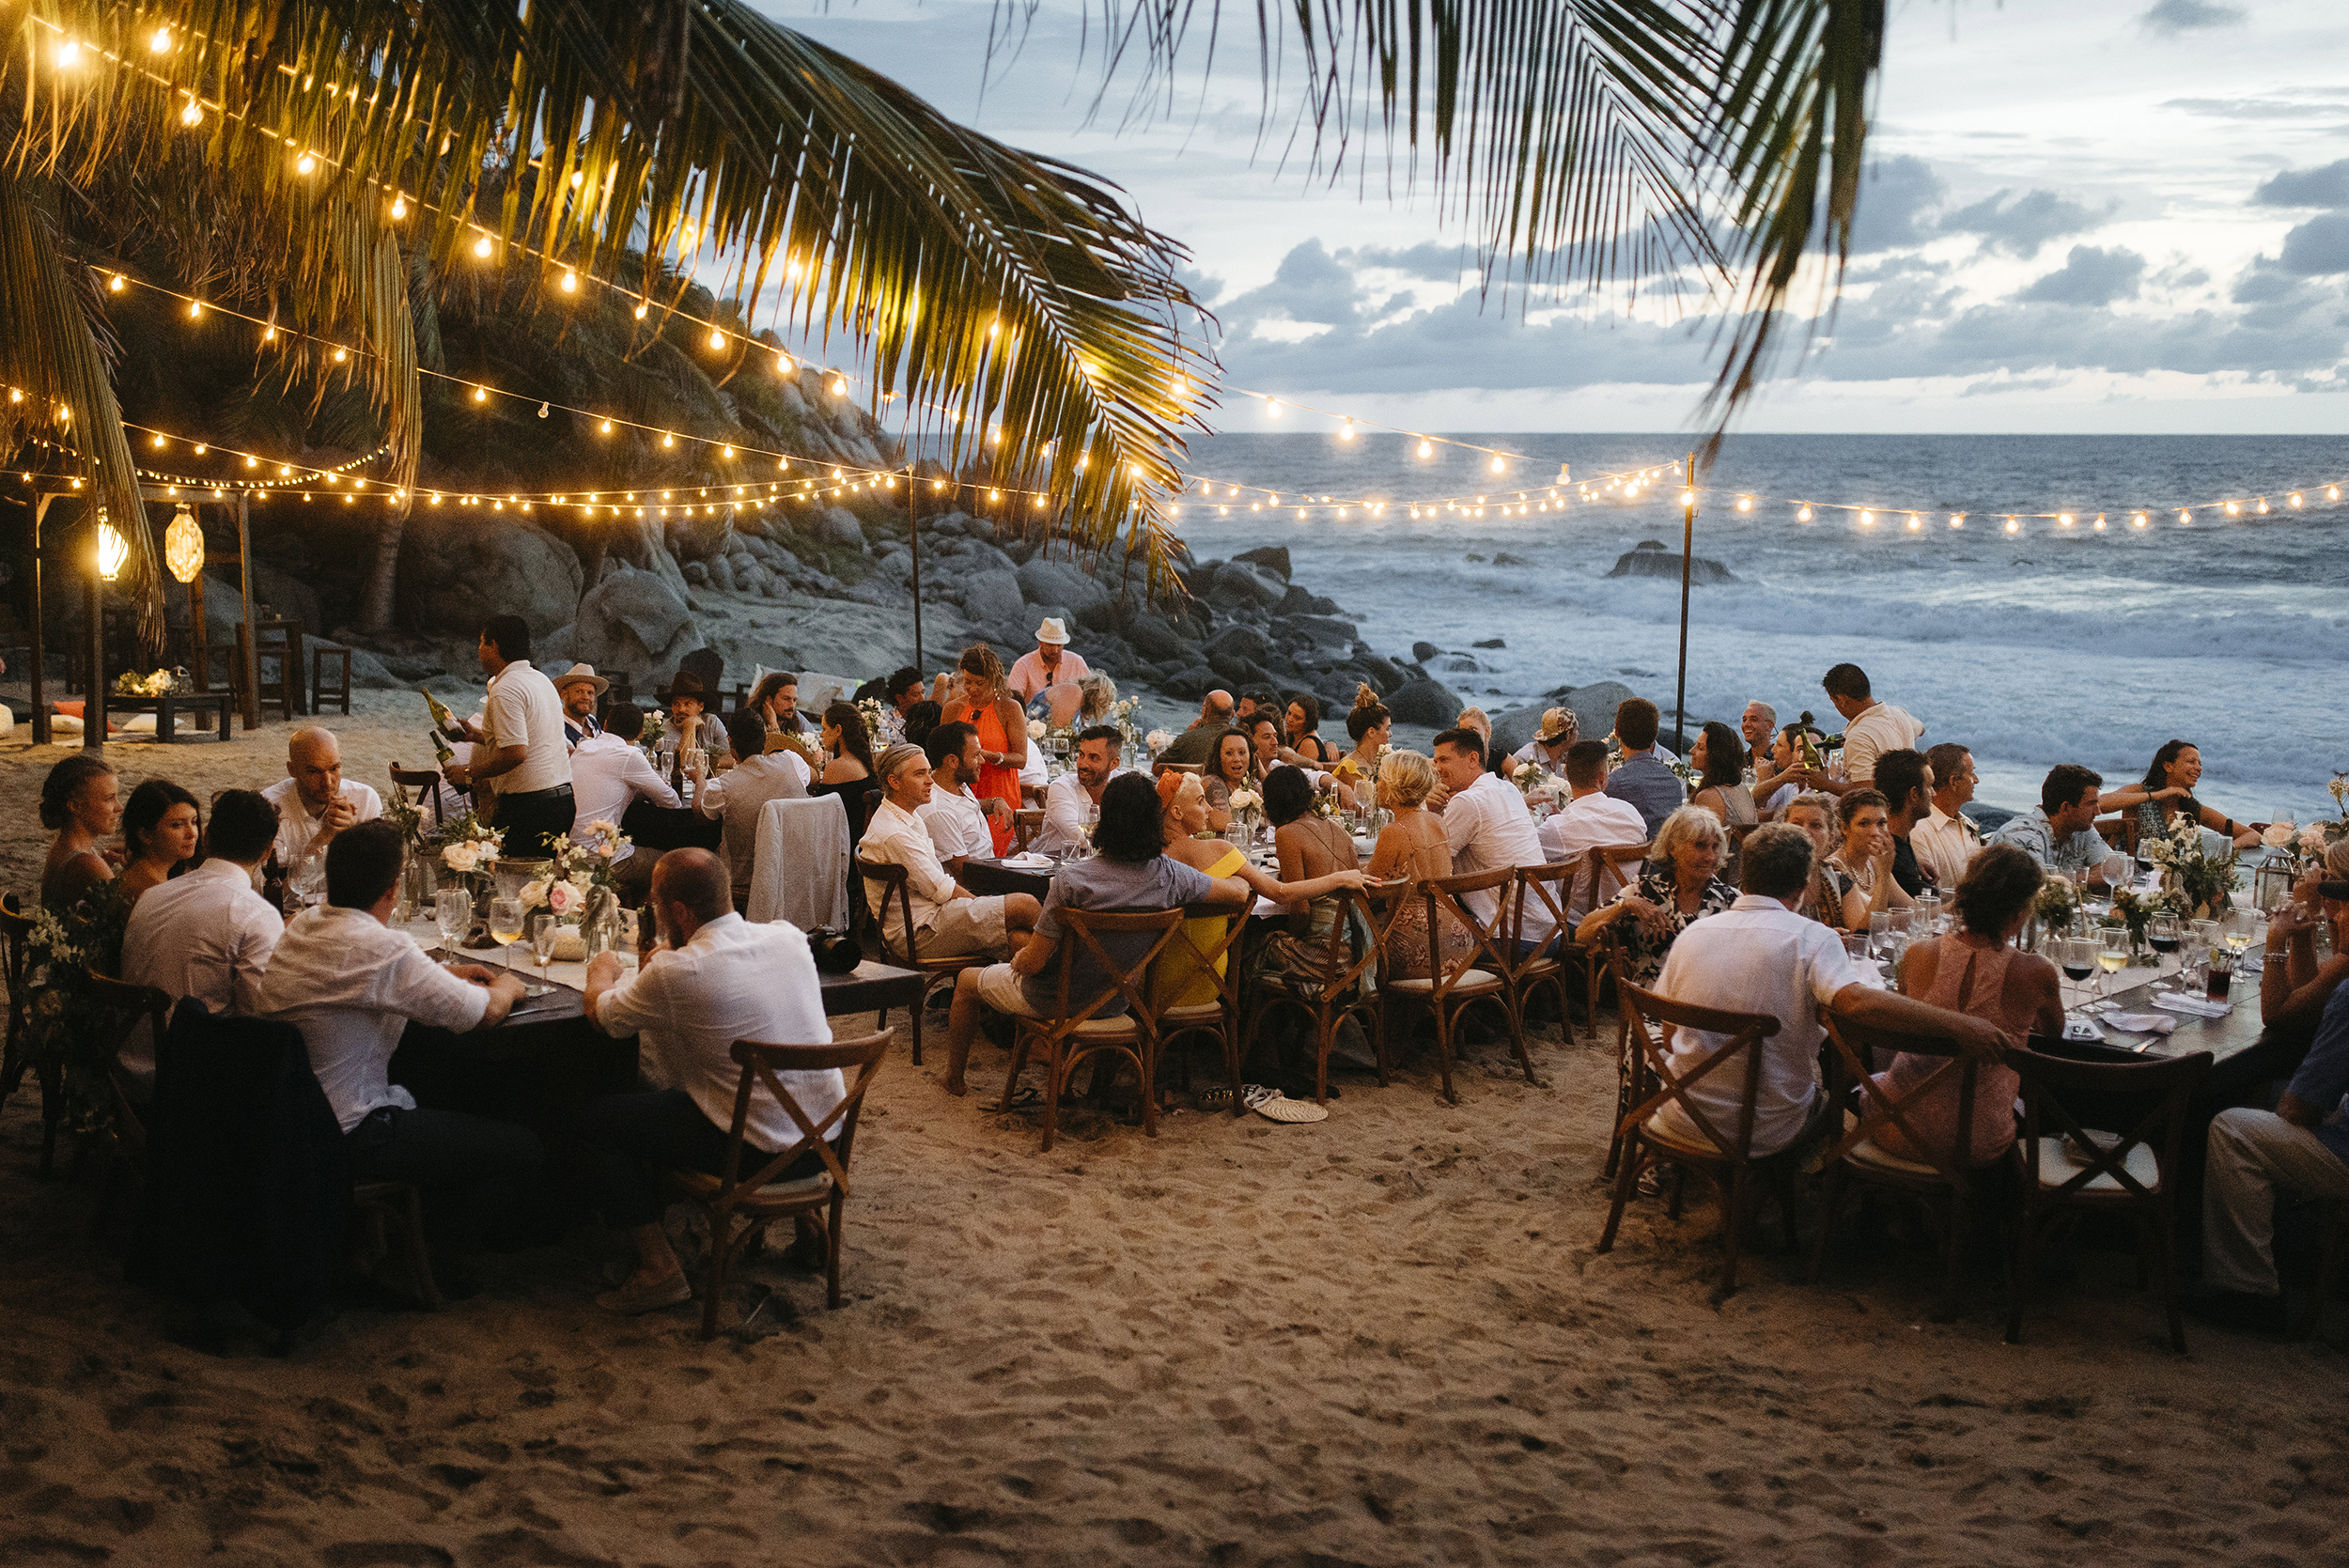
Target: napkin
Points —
{"points": [[2140, 1023], [2081, 1029], [1028, 857], [2177, 1001]]}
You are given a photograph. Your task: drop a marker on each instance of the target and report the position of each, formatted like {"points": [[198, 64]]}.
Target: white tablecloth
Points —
{"points": [[801, 872]]}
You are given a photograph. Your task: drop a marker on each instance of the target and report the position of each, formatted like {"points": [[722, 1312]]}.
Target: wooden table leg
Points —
{"points": [[165, 723]]}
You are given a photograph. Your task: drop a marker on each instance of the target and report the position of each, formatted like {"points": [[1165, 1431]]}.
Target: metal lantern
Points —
{"points": [[2272, 881], [183, 546], [113, 548]]}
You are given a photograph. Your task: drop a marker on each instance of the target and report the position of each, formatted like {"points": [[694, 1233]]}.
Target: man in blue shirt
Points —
{"points": [[2302, 1144], [1642, 779], [2060, 831]]}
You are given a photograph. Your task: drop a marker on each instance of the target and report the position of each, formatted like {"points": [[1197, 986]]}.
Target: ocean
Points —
{"points": [[2043, 645]]}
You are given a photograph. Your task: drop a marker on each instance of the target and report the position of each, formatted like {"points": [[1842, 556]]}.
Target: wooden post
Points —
{"points": [[914, 542], [1688, 562], [40, 706], [94, 698], [247, 655]]}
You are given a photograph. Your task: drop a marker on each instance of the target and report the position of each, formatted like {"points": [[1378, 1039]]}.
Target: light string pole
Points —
{"points": [[1687, 561]]}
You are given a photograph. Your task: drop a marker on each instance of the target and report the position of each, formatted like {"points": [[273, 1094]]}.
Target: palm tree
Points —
{"points": [[996, 290]]}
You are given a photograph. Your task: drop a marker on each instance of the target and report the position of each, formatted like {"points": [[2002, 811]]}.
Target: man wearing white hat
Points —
{"points": [[1559, 731], [579, 686], [1051, 664]]}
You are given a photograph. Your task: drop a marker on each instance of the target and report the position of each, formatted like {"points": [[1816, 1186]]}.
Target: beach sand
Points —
{"points": [[1380, 1339]]}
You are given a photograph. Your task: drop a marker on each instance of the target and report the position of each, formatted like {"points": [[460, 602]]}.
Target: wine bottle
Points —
{"points": [[442, 749], [444, 721]]}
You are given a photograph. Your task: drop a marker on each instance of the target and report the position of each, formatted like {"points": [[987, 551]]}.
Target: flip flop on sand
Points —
{"points": [[1280, 1107], [1253, 1095]]}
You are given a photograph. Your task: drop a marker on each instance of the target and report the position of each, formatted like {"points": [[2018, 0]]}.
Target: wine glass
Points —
{"points": [[2162, 933], [624, 939], [2077, 958], [505, 927], [452, 910], [2112, 949], [2236, 928], [544, 933]]}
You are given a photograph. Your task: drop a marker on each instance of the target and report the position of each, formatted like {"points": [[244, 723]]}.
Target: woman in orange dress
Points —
{"points": [[987, 706]]}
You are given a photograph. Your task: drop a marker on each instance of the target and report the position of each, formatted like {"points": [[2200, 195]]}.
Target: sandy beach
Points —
{"points": [[1380, 1339]]}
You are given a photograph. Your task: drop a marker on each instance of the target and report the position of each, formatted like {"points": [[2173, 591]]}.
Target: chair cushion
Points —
{"points": [[1683, 1146], [1103, 1029], [797, 1190], [2056, 1168], [816, 1186], [1475, 980], [1869, 1155], [1207, 1012]]}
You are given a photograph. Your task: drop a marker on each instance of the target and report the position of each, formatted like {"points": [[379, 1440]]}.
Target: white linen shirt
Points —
{"points": [[956, 824], [1489, 828], [1946, 846], [1755, 956], [1065, 807], [606, 774], [1882, 728], [894, 836], [206, 934], [297, 827], [1590, 822], [522, 711], [352, 984], [734, 981]]}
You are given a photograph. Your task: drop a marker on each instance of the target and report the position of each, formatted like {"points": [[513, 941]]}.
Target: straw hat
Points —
{"points": [[1557, 722], [1051, 630], [578, 673]]}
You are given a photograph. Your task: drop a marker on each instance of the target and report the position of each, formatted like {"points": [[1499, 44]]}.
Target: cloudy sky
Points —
{"points": [[2082, 216]]}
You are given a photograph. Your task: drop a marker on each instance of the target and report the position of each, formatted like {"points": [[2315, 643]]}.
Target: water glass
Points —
{"points": [[452, 911], [1928, 914], [1879, 931], [544, 933]]}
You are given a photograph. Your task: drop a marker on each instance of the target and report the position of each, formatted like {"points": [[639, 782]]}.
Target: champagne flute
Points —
{"points": [[452, 910], [544, 933], [505, 927]]}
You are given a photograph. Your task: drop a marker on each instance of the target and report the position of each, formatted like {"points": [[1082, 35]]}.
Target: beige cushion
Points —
{"points": [[1102, 1028], [1868, 1155], [2056, 1168], [1207, 1013], [1475, 980], [801, 1186]]}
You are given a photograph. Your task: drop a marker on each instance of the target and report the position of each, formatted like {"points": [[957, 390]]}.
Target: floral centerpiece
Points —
{"points": [[1538, 784], [1245, 804], [469, 846], [2198, 882], [162, 683], [1158, 740], [2135, 910], [875, 727], [656, 725], [577, 888], [2055, 905], [406, 813]]}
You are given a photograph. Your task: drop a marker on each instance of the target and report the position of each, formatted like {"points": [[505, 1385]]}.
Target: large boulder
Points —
{"points": [[1649, 558], [1047, 582], [454, 574], [836, 525], [1272, 558], [1325, 633], [1235, 586], [991, 601], [637, 622], [1424, 702], [1595, 707], [1154, 639], [1240, 642], [1518, 725]]}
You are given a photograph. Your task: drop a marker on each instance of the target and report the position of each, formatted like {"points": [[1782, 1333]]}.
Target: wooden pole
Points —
{"points": [[1687, 563], [914, 542], [40, 705], [94, 697], [248, 655]]}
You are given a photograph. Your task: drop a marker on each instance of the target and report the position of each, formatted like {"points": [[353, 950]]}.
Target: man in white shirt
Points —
{"points": [[609, 774], [1549, 747], [1593, 819], [950, 922], [352, 985], [1051, 664], [206, 934], [313, 800], [715, 979], [956, 820], [520, 758], [739, 794], [579, 686], [1487, 824], [1759, 955], [1946, 839], [1075, 797], [1871, 729]]}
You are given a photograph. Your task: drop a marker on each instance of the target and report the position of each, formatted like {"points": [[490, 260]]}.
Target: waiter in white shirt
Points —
{"points": [[520, 758], [313, 801], [205, 934]]}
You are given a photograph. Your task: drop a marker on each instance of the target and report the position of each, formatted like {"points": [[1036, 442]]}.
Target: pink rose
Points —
{"points": [[562, 898]]}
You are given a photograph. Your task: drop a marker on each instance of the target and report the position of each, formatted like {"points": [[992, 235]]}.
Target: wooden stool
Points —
{"points": [[321, 694]]}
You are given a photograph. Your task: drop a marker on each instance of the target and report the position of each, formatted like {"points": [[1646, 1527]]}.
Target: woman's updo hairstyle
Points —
{"points": [[63, 786], [1367, 714]]}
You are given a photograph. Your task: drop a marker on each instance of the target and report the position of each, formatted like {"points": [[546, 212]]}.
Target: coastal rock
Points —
{"points": [[1518, 725], [1155, 639], [991, 600], [1423, 652], [455, 576], [1240, 642], [897, 564], [1505, 559], [1323, 631], [1298, 601], [1235, 586], [1595, 707], [1492, 643], [1059, 582], [1384, 676], [1424, 702], [1272, 558], [836, 525], [633, 621], [1649, 558], [698, 573]]}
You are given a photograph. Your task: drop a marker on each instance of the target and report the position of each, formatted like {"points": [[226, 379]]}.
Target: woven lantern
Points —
{"points": [[183, 546]]}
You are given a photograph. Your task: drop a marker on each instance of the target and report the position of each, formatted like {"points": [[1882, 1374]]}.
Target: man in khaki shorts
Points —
{"points": [[948, 919]]}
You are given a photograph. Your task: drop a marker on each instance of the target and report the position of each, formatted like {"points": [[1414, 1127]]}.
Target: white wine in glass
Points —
{"points": [[505, 925], [2113, 958]]}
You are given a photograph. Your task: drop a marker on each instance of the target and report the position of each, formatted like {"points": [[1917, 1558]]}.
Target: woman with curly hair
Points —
{"points": [[984, 703], [81, 802]]}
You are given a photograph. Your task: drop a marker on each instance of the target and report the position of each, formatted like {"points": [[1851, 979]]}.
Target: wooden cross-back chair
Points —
{"points": [[1344, 984], [1944, 1179], [426, 781], [1727, 1156], [1075, 1033], [740, 1206], [1543, 892], [1479, 973], [1604, 866], [16, 936], [1026, 822], [896, 888], [2131, 1175], [1180, 968], [125, 1007]]}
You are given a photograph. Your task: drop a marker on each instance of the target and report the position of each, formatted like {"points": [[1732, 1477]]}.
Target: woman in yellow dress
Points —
{"points": [[1176, 978]]}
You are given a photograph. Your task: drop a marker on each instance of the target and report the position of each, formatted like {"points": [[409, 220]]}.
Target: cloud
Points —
{"points": [[2022, 226], [2328, 186], [1895, 196], [2317, 248], [2170, 18], [1310, 285], [2090, 277]]}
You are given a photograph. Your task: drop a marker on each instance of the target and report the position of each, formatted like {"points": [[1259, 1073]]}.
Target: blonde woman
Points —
{"points": [[1412, 848], [1680, 887], [986, 705]]}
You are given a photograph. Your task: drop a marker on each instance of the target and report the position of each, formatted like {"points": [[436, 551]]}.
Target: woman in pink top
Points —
{"points": [[1976, 970]]}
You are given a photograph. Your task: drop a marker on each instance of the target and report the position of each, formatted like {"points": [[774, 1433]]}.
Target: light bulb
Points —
{"points": [[1957, 519], [196, 308], [1271, 405], [607, 427], [570, 282], [726, 451], [783, 364], [2099, 524], [2233, 510], [717, 338], [482, 247], [193, 115], [400, 208], [201, 449], [162, 41], [667, 440], [1688, 498], [2013, 526], [2294, 498], [2332, 492], [1497, 465], [1915, 522], [1745, 503], [340, 355], [159, 441], [839, 386], [1803, 515], [1346, 433], [2184, 517], [304, 163], [2064, 519], [117, 285], [579, 177], [2137, 522], [1867, 520], [2262, 507], [481, 394], [68, 53]]}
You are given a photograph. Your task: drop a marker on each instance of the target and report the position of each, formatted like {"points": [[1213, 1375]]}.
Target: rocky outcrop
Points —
{"points": [[1649, 558], [1424, 701], [633, 622], [454, 575]]}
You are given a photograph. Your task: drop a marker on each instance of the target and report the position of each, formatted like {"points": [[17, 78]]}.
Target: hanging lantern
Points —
{"points": [[113, 548], [183, 546]]}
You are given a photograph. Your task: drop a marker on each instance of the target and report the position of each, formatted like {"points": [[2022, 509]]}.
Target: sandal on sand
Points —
{"points": [[1280, 1107], [1253, 1095], [1026, 1095]]}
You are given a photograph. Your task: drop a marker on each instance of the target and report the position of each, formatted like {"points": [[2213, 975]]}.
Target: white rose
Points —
{"points": [[1035, 729], [459, 858]]}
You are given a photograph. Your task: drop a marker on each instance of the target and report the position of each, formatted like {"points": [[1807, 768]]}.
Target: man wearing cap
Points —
{"points": [[579, 686], [1548, 748], [1051, 664]]}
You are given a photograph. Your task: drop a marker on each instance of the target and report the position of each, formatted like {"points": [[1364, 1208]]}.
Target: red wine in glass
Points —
{"points": [[2076, 972]]}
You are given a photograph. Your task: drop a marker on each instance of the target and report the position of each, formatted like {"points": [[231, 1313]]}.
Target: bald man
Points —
{"points": [[312, 803]]}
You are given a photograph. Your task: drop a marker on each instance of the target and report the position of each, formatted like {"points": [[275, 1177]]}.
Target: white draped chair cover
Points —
{"points": [[800, 871]]}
